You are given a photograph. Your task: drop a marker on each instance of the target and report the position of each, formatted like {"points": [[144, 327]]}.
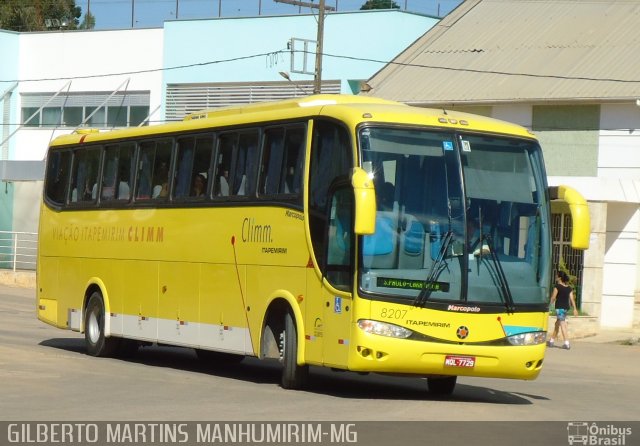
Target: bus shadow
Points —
{"points": [[352, 385], [181, 358], [67, 344], [322, 381]]}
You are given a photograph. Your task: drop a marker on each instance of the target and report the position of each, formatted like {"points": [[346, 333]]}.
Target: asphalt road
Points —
{"points": [[45, 375]]}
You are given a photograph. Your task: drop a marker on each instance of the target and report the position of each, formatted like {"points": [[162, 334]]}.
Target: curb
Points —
{"points": [[579, 326], [20, 279]]}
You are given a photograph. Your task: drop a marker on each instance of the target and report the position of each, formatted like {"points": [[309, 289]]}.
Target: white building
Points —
{"points": [[54, 82], [568, 70]]}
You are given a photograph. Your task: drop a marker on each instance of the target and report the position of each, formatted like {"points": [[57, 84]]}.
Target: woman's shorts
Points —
{"points": [[561, 314]]}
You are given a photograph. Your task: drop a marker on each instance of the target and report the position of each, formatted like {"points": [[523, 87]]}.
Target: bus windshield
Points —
{"points": [[460, 219]]}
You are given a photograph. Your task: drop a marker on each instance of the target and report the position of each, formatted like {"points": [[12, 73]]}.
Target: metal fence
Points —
{"points": [[562, 228], [18, 250]]}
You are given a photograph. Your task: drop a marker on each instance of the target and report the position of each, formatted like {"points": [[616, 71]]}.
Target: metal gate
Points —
{"points": [[561, 228]]}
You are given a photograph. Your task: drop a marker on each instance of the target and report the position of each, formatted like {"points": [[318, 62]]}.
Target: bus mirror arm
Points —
{"points": [[579, 214], [365, 202]]}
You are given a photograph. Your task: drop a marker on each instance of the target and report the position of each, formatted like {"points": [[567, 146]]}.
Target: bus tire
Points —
{"points": [[294, 376], [94, 319], [442, 386]]}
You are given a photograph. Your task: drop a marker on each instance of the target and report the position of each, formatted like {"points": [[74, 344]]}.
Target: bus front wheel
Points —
{"points": [[294, 376], [442, 386], [94, 319]]}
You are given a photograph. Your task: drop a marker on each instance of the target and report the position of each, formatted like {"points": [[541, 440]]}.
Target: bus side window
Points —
{"points": [[85, 175], [282, 161], [125, 172], [153, 170], [58, 169], [272, 157], [226, 146], [147, 154], [246, 164], [194, 164], [116, 173], [294, 161], [185, 155], [201, 170]]}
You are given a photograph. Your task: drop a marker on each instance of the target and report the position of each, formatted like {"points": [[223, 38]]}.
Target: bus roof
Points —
{"points": [[320, 100], [352, 109]]}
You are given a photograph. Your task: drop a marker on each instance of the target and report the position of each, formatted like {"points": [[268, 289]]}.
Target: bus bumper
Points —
{"points": [[381, 354]]}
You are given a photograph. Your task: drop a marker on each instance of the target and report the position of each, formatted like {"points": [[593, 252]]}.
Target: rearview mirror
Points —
{"points": [[579, 214], [365, 195]]}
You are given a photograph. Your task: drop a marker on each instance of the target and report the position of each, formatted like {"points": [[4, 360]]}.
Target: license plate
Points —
{"points": [[459, 361]]}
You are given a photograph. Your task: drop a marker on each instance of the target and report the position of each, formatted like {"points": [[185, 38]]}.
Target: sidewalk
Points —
{"points": [[22, 279], [612, 335], [588, 329]]}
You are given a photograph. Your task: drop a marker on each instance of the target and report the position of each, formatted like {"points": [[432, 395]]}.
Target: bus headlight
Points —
{"points": [[533, 338], [384, 329]]}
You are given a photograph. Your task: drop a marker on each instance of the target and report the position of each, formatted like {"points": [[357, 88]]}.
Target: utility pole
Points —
{"points": [[317, 77]]}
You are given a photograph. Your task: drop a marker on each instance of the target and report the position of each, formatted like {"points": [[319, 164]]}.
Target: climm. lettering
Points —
{"points": [[146, 234], [252, 232]]}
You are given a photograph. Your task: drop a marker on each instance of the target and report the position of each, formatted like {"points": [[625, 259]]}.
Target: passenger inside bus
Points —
{"points": [[199, 185], [223, 184], [161, 188]]}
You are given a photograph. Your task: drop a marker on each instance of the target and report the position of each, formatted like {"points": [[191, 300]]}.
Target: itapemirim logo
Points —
{"points": [[588, 434]]}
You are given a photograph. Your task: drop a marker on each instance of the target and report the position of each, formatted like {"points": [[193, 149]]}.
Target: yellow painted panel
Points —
{"points": [[141, 279], [72, 279], [178, 293], [47, 280], [220, 299], [314, 319], [48, 312]]}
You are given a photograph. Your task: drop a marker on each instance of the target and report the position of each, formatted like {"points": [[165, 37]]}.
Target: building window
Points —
{"points": [[127, 109], [561, 227], [184, 99]]}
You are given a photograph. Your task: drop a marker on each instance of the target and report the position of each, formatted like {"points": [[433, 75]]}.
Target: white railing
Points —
{"points": [[18, 250]]}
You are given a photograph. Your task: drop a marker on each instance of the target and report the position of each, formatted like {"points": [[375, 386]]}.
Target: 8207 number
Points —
{"points": [[393, 313]]}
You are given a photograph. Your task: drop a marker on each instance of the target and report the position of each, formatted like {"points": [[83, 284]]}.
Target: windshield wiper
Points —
{"points": [[503, 284], [438, 266]]}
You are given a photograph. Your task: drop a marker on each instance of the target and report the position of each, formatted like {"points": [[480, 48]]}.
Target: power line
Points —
{"points": [[337, 56], [150, 70], [470, 70]]}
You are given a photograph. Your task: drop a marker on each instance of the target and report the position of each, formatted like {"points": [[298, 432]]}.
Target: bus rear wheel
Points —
{"points": [[442, 386], [294, 376], [94, 319]]}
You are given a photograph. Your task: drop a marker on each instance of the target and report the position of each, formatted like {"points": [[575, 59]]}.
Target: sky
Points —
{"points": [[116, 14]]}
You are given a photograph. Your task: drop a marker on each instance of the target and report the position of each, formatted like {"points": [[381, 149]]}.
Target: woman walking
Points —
{"points": [[563, 298]]}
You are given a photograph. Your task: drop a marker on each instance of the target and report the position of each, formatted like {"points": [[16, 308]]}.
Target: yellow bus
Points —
{"points": [[340, 231]]}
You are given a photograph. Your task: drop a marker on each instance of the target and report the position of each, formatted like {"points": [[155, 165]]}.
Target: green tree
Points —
{"points": [[88, 21], [39, 15], [380, 4]]}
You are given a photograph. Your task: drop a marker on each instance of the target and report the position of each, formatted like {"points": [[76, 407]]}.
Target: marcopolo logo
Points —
{"points": [[594, 434]]}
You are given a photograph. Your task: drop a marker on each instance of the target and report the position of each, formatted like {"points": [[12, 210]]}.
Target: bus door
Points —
{"points": [[330, 304], [330, 216], [338, 280]]}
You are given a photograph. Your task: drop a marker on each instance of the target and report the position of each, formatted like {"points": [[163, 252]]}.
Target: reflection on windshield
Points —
{"points": [[460, 218]]}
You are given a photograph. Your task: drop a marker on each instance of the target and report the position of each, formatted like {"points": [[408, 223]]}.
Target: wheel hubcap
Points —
{"points": [[94, 328]]}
